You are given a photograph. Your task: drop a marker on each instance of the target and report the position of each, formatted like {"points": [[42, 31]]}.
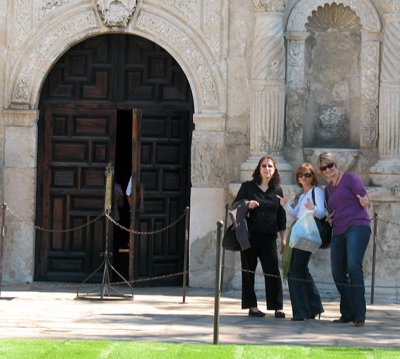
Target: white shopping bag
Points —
{"points": [[305, 234]]}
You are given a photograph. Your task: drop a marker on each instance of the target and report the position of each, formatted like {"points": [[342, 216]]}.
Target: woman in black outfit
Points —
{"points": [[265, 219]]}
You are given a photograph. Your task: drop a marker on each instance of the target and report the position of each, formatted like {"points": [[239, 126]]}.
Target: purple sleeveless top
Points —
{"points": [[343, 200]]}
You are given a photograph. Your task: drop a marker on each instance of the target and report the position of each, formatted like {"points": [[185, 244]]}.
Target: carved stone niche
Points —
{"points": [[116, 13], [333, 78]]}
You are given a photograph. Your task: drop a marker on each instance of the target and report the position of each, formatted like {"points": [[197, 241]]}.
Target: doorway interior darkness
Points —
{"points": [[122, 173], [85, 122]]}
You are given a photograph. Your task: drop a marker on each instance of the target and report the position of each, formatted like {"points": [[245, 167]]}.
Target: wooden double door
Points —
{"points": [[85, 123]]}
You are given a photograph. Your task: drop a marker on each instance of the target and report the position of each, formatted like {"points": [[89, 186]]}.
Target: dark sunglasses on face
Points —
{"points": [[329, 165], [269, 166], [305, 174]]}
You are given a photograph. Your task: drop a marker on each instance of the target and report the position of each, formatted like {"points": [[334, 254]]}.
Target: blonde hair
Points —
{"points": [[325, 158]]}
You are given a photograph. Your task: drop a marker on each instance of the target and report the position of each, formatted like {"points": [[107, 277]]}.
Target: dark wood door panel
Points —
{"points": [[73, 190], [81, 97]]}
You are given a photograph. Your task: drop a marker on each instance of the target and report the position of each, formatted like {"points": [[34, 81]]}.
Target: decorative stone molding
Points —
{"points": [[213, 24], [116, 13], [50, 5], [333, 16], [391, 51], [267, 109], [23, 20], [364, 9], [386, 171], [196, 59], [206, 16], [267, 75], [20, 118], [268, 61], [208, 159], [390, 6], [188, 8], [369, 93], [269, 5], [32, 66], [209, 122], [193, 57]]}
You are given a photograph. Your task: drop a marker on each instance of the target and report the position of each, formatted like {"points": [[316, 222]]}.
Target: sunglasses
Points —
{"points": [[329, 165], [269, 166], [305, 174]]}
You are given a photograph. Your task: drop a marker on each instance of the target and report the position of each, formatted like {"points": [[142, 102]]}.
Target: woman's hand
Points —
{"points": [[282, 200], [282, 235], [329, 217], [253, 204], [309, 205], [363, 200]]}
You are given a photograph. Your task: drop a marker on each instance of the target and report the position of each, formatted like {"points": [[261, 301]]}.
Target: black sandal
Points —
{"points": [[256, 313], [279, 314]]}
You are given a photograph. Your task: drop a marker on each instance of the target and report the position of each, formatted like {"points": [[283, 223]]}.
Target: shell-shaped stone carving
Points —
{"points": [[116, 13], [333, 16]]}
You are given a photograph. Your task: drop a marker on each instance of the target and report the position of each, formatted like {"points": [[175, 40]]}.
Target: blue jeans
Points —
{"points": [[304, 296], [347, 253]]}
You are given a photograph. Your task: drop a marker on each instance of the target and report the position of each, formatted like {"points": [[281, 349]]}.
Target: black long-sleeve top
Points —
{"points": [[270, 217]]}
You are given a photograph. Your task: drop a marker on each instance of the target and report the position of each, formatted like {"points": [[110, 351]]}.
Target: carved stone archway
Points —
{"points": [[27, 75], [37, 52]]}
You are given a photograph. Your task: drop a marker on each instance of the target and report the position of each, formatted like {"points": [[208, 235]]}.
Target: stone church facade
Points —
{"points": [[288, 78]]}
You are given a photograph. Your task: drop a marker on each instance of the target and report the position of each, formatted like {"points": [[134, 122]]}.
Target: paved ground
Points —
{"points": [[157, 314]]}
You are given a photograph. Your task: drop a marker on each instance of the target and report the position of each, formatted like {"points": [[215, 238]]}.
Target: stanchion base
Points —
{"points": [[105, 290]]}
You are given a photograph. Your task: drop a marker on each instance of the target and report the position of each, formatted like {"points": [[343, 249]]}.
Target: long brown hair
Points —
{"points": [[275, 179]]}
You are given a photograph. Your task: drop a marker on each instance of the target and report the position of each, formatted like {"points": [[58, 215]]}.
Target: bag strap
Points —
{"points": [[313, 197]]}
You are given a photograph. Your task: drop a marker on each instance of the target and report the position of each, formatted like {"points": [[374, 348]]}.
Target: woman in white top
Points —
{"points": [[304, 296]]}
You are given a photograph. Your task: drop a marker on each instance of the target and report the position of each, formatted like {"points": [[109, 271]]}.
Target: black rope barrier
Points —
{"points": [[185, 272]]}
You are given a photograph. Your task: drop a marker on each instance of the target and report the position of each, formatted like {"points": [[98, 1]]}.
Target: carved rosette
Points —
{"points": [[116, 13], [269, 5]]}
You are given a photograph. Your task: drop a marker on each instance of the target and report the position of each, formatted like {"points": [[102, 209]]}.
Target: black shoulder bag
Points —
{"points": [[324, 228], [230, 241]]}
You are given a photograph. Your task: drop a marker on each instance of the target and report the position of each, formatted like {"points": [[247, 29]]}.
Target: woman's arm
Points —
{"points": [[357, 187], [244, 194], [319, 210]]}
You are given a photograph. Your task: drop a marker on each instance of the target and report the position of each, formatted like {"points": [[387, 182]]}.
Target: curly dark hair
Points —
{"points": [[275, 179]]}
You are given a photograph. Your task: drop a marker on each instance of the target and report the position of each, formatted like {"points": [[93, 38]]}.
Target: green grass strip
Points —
{"points": [[99, 349]]}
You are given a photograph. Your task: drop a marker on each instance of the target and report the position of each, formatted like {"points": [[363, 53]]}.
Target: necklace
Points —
{"points": [[337, 179]]}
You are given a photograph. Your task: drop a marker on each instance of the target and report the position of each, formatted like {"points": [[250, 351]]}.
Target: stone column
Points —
{"points": [[295, 93], [268, 89], [386, 172]]}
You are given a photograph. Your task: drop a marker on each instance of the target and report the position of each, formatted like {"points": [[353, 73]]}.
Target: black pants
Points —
{"points": [[304, 296], [263, 247]]}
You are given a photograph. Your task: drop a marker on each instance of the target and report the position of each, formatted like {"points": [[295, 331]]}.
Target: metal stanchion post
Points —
{"points": [[105, 285], [374, 258], [223, 250], [220, 224], [185, 255], [2, 234]]}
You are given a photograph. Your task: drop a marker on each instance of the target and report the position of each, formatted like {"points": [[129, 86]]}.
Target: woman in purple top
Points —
{"points": [[347, 201]]}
